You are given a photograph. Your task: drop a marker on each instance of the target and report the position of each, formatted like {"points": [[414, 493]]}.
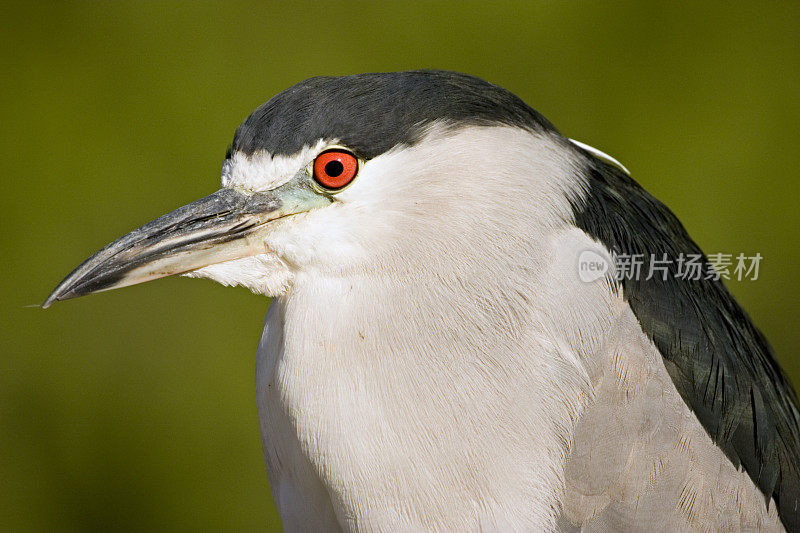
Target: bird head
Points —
{"points": [[373, 174]]}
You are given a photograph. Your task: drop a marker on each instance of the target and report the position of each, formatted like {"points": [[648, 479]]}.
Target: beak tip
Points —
{"points": [[54, 296], [59, 294]]}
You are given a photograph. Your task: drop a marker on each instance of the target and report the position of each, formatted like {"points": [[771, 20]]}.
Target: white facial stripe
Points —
{"points": [[262, 172]]}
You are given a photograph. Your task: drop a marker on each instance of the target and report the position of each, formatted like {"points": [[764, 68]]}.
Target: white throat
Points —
{"points": [[385, 393]]}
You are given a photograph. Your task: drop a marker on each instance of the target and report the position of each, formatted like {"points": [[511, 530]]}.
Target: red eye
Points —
{"points": [[335, 168]]}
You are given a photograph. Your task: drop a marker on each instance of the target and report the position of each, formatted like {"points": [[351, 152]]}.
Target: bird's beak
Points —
{"points": [[226, 225]]}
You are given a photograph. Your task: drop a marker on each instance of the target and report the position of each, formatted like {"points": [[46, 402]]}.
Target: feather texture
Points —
{"points": [[720, 362]]}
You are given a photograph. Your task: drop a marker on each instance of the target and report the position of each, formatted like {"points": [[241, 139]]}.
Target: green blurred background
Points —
{"points": [[134, 410]]}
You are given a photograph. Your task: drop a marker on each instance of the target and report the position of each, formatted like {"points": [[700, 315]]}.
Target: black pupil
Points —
{"points": [[334, 168]]}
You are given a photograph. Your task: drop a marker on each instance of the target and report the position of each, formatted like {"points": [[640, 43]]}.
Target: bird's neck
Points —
{"points": [[395, 391]]}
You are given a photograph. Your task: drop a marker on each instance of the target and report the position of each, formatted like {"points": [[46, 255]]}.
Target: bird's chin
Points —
{"points": [[265, 274]]}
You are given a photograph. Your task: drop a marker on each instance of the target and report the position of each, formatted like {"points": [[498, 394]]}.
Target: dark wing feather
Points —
{"points": [[720, 362]]}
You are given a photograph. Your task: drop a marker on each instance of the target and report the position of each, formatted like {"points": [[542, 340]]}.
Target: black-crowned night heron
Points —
{"points": [[434, 357]]}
